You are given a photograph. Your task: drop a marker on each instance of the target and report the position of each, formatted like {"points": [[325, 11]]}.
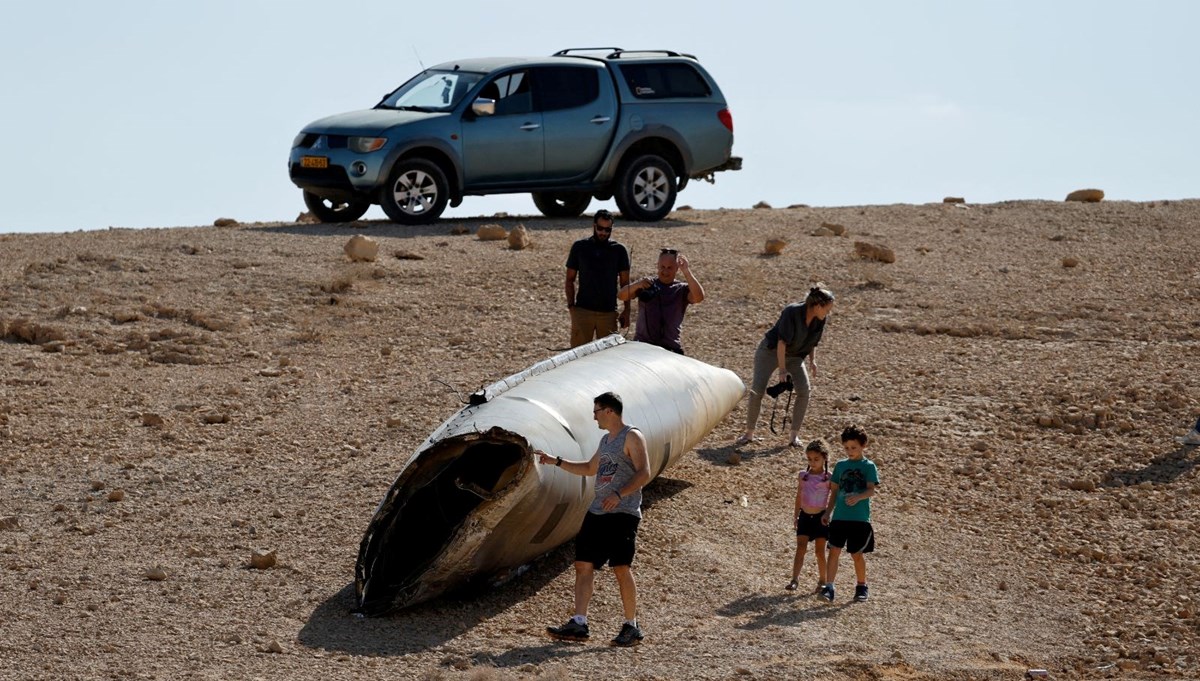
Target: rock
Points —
{"points": [[1070, 262], [395, 421], [260, 560], [361, 248], [744, 502], [518, 239], [491, 233], [408, 255], [954, 199], [116, 495], [273, 647], [822, 231], [684, 207], [1086, 195], [457, 230], [225, 222], [762, 204], [798, 205], [10, 522], [97, 485], [156, 574], [307, 218], [774, 246], [874, 252], [152, 420], [838, 230], [213, 417], [1082, 485], [734, 459]]}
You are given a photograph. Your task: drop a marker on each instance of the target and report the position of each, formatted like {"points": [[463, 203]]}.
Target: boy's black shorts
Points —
{"points": [[810, 525], [854, 536], [607, 537]]}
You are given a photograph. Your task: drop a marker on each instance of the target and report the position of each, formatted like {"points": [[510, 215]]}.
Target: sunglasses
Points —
{"points": [[670, 251]]}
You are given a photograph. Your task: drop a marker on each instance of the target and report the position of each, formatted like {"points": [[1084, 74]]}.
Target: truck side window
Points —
{"points": [[513, 93], [566, 87], [661, 81]]}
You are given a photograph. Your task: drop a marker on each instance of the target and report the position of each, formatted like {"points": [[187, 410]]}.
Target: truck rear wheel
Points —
{"points": [[562, 204], [329, 210], [645, 189], [416, 192]]}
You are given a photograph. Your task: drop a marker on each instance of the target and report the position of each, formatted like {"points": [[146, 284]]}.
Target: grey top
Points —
{"points": [[800, 339], [616, 469]]}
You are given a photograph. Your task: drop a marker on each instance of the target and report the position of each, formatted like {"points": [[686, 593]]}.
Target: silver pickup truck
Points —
{"points": [[634, 126]]}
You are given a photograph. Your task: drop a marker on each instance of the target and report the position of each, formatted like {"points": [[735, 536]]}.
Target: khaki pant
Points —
{"points": [[588, 325]]}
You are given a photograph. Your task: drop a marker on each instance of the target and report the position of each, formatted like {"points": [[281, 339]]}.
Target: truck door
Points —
{"points": [[506, 147], [579, 115]]}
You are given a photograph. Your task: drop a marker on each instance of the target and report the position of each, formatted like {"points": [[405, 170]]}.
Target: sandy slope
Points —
{"points": [[1036, 509]]}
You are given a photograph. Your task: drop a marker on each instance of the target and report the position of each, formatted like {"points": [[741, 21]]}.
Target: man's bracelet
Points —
{"points": [[558, 461]]}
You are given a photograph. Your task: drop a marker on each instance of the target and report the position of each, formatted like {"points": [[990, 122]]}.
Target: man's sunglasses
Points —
{"points": [[670, 251]]}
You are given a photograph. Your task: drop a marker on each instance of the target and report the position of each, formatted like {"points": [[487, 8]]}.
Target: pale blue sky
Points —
{"points": [[134, 113]]}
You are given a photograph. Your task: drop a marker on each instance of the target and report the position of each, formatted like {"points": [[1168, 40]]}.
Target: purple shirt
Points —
{"points": [[660, 318]]}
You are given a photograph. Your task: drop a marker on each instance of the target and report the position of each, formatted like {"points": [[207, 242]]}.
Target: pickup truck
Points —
{"points": [[602, 123]]}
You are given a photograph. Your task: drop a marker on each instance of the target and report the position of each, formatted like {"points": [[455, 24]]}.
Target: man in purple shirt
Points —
{"points": [[662, 301]]}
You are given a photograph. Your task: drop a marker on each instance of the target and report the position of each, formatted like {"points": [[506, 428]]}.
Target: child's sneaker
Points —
{"points": [[630, 635], [860, 592], [571, 631], [1192, 438], [827, 592]]}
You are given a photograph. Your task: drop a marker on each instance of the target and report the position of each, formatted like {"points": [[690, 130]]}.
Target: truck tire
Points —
{"points": [[562, 204], [645, 189], [329, 210], [416, 192]]}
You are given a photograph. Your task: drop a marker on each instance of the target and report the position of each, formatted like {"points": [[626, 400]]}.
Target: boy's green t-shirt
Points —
{"points": [[852, 477]]}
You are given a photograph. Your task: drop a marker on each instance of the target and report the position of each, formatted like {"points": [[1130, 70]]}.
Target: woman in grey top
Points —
{"points": [[787, 345]]}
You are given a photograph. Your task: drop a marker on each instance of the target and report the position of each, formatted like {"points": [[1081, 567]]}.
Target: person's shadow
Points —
{"points": [[332, 625], [782, 610], [1163, 468]]}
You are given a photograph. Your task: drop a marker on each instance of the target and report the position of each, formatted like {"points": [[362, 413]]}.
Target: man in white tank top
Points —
{"points": [[609, 531]]}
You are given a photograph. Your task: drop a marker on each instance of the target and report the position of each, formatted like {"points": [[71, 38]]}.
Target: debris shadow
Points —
{"points": [[333, 627], [1163, 468]]}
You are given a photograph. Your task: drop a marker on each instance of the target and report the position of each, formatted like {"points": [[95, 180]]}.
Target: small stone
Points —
{"points": [[116, 495], [213, 417], [875, 252], [260, 560], [361, 248], [837, 229], [395, 421], [152, 420], [518, 239], [734, 459], [307, 218], [1070, 262], [1086, 195], [774, 246], [954, 199], [1083, 485], [97, 485], [10, 522], [762, 205], [273, 647], [457, 230], [225, 222], [491, 233], [156, 574], [409, 255]]}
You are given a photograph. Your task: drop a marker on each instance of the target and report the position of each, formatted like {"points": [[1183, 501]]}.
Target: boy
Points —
{"points": [[849, 512]]}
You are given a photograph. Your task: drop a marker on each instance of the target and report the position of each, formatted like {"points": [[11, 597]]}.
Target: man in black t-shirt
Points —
{"points": [[602, 266]]}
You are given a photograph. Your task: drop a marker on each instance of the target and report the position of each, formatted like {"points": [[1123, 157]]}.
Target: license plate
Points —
{"points": [[314, 162]]}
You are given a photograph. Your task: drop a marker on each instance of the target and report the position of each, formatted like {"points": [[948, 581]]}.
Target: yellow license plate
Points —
{"points": [[314, 162]]}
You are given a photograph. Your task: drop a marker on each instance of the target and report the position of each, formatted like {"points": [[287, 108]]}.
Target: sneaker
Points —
{"points": [[796, 442], [860, 592], [820, 588], [792, 585], [828, 592], [1192, 438], [630, 636], [571, 631], [745, 440]]}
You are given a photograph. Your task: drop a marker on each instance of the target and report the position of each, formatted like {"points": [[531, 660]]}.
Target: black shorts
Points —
{"points": [[854, 536], [810, 525], [607, 538]]}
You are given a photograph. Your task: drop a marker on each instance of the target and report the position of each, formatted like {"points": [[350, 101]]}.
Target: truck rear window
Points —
{"points": [[661, 81]]}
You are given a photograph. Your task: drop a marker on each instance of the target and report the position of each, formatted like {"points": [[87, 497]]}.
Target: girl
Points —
{"points": [[812, 497]]}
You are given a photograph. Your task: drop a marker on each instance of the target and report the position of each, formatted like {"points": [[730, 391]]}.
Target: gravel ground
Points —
{"points": [[175, 401]]}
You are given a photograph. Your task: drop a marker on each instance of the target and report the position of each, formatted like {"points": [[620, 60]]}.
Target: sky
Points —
{"points": [[141, 113]]}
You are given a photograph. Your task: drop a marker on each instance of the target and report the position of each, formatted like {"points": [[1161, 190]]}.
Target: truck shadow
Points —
{"points": [[449, 227], [332, 626]]}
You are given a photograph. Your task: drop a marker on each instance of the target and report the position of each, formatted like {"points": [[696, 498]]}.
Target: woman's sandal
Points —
{"points": [[743, 440]]}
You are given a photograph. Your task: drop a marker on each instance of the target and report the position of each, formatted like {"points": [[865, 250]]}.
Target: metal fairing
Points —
{"points": [[471, 501]]}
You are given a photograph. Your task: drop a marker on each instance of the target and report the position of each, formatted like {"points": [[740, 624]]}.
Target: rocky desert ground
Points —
{"points": [[197, 423]]}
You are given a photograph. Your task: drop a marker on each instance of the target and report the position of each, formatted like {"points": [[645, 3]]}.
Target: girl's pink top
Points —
{"points": [[814, 489]]}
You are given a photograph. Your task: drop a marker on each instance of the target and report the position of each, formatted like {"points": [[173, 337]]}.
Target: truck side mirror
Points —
{"points": [[482, 106]]}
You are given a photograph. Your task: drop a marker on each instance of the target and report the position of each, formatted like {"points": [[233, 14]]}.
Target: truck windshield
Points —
{"points": [[432, 91]]}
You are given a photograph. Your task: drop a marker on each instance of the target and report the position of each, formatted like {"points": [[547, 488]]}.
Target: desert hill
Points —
{"points": [[174, 402]]}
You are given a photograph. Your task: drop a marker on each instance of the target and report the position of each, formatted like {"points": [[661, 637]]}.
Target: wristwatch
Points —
{"points": [[558, 461]]}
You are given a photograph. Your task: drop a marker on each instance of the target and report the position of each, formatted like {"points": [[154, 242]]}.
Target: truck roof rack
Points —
{"points": [[617, 52]]}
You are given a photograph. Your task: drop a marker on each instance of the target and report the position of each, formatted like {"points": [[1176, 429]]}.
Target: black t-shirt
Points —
{"points": [[598, 265]]}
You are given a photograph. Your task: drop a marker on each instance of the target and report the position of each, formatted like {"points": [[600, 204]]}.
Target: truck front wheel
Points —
{"points": [[329, 210], [562, 204], [645, 189], [416, 192]]}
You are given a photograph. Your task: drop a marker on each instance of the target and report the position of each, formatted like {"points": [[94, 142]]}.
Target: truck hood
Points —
{"points": [[368, 121]]}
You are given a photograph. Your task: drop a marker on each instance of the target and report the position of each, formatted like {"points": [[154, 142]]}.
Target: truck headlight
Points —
{"points": [[365, 145]]}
